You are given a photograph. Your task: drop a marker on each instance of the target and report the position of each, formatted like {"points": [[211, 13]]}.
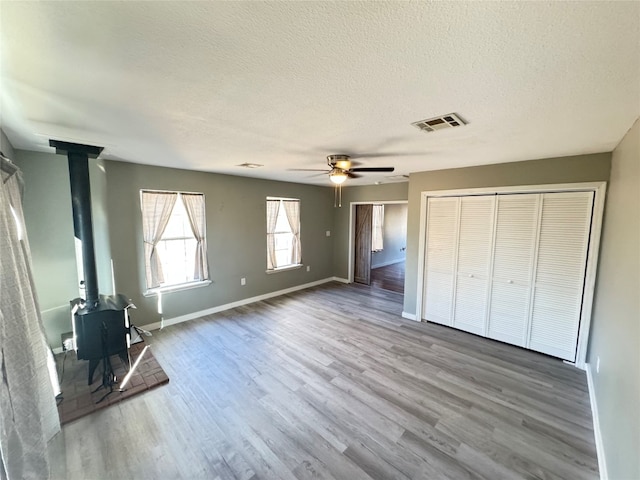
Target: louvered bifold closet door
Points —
{"points": [[441, 242], [514, 254], [475, 239], [560, 269]]}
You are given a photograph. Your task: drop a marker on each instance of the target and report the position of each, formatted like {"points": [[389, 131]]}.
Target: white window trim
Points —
{"points": [[177, 287], [284, 269], [150, 292], [292, 266]]}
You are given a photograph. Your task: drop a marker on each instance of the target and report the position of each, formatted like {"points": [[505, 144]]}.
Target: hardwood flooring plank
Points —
{"points": [[331, 383]]}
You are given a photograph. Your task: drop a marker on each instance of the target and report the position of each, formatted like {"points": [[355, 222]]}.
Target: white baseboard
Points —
{"points": [[341, 280], [410, 316], [387, 263], [602, 464], [239, 303]]}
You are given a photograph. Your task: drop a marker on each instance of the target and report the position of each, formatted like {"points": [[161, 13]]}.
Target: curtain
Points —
{"points": [[292, 209], [156, 212], [28, 412], [377, 242], [194, 204], [273, 206]]}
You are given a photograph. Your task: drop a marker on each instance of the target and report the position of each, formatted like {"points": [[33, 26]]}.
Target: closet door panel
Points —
{"points": [[559, 282], [441, 243], [509, 314], [474, 262], [471, 304], [514, 253]]}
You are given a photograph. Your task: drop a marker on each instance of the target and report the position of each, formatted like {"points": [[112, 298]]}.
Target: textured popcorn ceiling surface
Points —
{"points": [[210, 85]]}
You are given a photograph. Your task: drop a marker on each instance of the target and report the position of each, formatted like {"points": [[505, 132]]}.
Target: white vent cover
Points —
{"points": [[250, 165], [438, 123], [398, 178]]}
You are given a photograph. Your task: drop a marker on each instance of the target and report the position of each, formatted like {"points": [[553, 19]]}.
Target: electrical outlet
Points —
{"points": [[66, 339], [598, 365], [328, 233], [308, 268], [243, 281]]}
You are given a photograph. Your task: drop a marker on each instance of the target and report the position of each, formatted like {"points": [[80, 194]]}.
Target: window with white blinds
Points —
{"points": [[510, 267]]}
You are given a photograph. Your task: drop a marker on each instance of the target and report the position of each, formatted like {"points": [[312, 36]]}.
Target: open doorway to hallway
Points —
{"points": [[378, 244]]}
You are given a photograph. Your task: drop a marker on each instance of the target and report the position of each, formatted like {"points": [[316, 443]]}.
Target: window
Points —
{"points": [[377, 229], [283, 233], [173, 226]]}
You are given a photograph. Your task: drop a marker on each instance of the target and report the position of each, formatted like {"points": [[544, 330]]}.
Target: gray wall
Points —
{"points": [[236, 236], [368, 193], [49, 225], [6, 147], [615, 328], [581, 168], [394, 237]]}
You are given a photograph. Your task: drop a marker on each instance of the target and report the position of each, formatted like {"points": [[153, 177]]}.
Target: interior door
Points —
{"points": [[441, 241], [565, 225], [362, 265], [513, 259], [475, 241]]}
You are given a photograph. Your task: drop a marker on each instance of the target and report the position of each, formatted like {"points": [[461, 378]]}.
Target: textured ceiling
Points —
{"points": [[210, 85]]}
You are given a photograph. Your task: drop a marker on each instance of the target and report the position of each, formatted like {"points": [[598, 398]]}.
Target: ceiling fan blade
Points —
{"points": [[353, 175], [385, 155], [308, 170], [372, 169]]}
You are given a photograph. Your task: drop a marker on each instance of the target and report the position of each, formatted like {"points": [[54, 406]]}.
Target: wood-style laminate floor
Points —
{"points": [[329, 383], [390, 277]]}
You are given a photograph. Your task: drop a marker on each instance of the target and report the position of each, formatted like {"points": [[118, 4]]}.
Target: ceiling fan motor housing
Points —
{"points": [[342, 162]]}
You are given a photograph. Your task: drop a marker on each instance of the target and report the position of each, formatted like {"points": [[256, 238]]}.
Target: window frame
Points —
{"points": [[148, 292], [291, 266]]}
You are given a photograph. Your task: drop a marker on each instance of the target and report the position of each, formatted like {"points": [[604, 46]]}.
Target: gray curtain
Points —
{"points": [[28, 412], [194, 204], [272, 219], [292, 209], [156, 212]]}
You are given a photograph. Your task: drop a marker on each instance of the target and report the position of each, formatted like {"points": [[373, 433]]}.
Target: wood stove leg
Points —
{"points": [[93, 364]]}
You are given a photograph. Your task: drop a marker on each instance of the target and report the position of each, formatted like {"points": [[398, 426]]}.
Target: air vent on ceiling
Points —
{"points": [[250, 165], [398, 178], [438, 123]]}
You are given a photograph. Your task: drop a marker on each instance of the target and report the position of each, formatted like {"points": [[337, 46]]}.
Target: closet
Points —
{"points": [[510, 267]]}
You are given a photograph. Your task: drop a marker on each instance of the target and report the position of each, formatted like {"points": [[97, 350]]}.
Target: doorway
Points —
{"points": [[377, 250]]}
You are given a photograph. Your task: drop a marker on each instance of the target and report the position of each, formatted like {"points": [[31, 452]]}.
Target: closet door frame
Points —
{"points": [[599, 189]]}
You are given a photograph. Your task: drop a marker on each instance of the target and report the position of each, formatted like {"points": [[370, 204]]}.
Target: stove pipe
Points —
{"points": [[78, 156]]}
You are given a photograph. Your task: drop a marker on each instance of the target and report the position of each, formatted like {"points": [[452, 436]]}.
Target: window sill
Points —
{"points": [[284, 269], [176, 288]]}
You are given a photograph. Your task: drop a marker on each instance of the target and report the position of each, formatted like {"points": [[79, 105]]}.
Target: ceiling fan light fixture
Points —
{"points": [[337, 176]]}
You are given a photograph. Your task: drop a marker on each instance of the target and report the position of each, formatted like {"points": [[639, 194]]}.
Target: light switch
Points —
{"points": [[243, 281]]}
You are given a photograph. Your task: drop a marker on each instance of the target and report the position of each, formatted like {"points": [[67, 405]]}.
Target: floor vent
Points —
{"points": [[450, 120]]}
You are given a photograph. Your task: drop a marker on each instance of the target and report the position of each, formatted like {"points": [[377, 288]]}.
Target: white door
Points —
{"points": [[475, 239], [560, 270], [513, 261], [441, 245]]}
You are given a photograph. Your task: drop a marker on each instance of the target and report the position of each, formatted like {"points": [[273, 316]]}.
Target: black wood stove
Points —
{"points": [[100, 322]]}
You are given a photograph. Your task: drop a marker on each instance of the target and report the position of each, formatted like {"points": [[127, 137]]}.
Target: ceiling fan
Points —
{"points": [[341, 168]]}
